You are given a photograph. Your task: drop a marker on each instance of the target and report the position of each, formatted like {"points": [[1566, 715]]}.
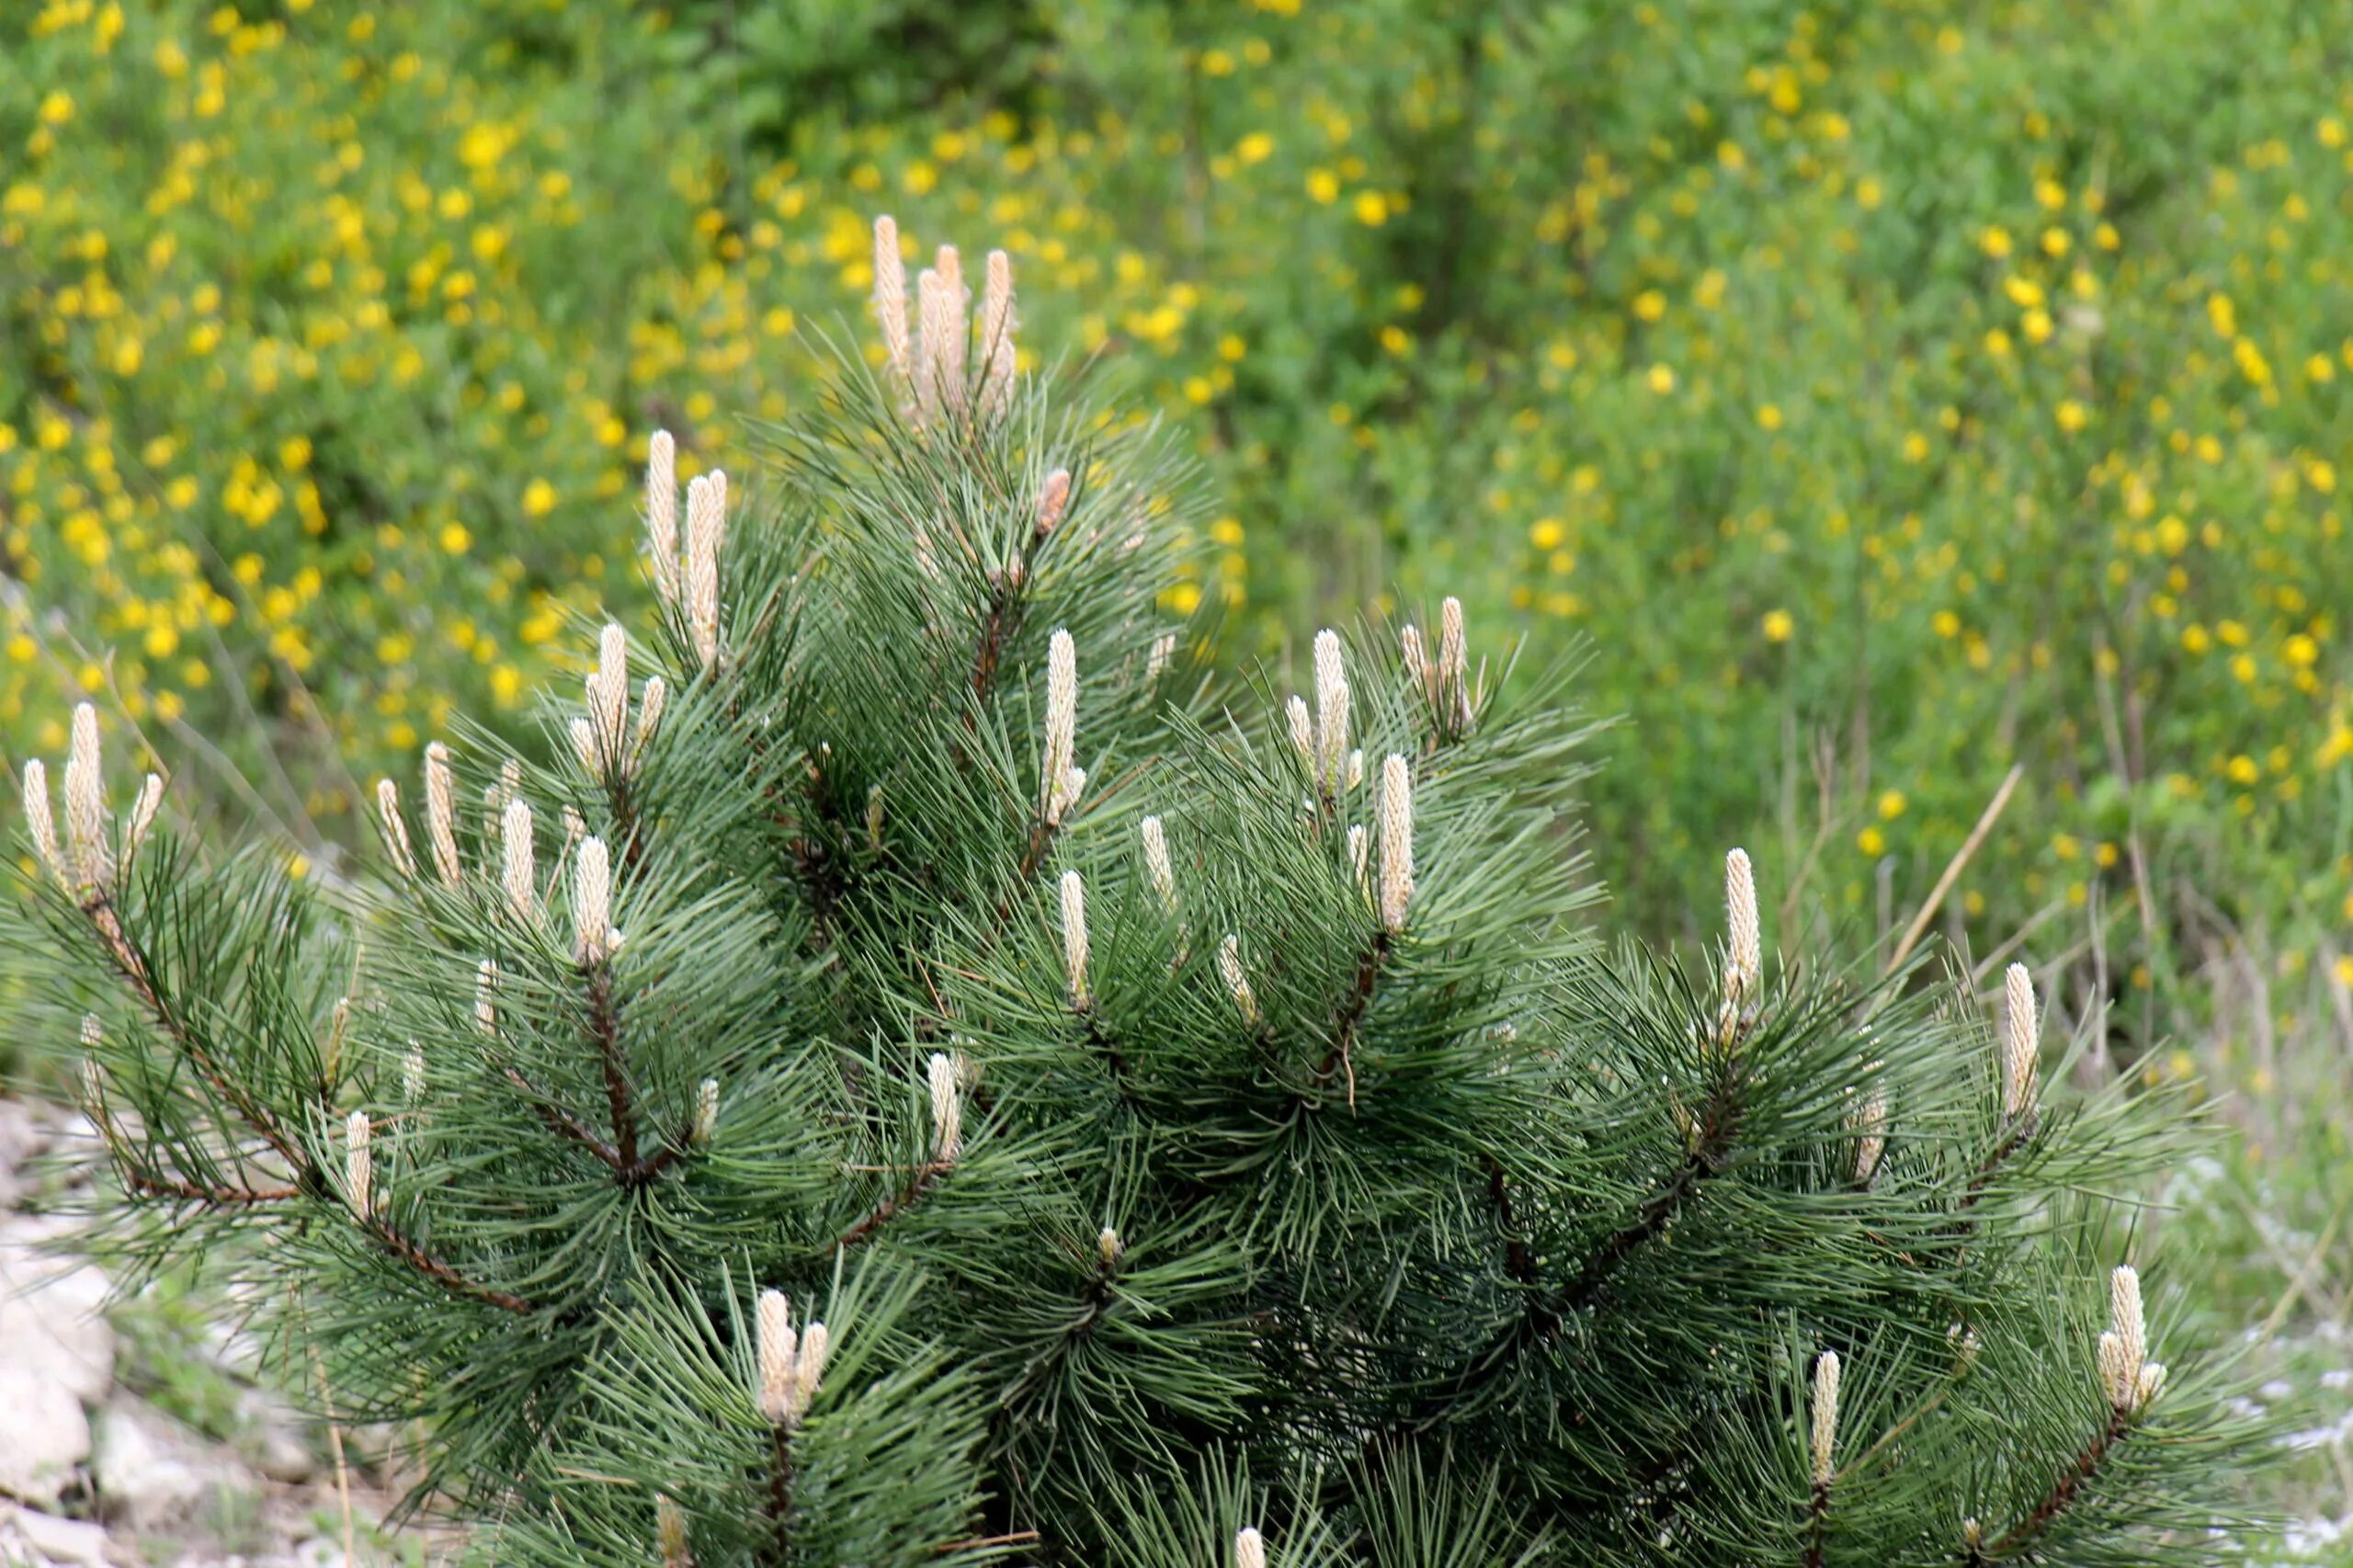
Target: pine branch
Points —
{"points": [[131, 966], [1517, 1259], [620, 800], [776, 1551], [410, 1252], [1000, 619], [1716, 1132], [1114, 1059], [997, 623], [133, 969], [894, 1205], [1546, 1313], [1351, 1013], [2084, 1468], [147, 1182], [2021, 1133], [562, 1122], [604, 1027], [1033, 856], [150, 1184], [1818, 1516], [814, 860], [1092, 1308]]}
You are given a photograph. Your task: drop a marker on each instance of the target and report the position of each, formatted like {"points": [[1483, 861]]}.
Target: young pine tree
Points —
{"points": [[918, 1073]]}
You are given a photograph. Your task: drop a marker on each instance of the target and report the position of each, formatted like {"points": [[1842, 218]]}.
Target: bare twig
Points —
{"points": [[1920, 926]]}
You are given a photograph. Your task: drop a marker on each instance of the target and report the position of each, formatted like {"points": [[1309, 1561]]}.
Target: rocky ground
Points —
{"points": [[133, 1430]]}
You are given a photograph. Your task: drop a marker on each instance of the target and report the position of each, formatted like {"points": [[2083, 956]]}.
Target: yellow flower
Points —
{"points": [[538, 498], [1323, 186], [1778, 626], [454, 538], [1371, 209], [2071, 416], [1661, 379], [1650, 304], [1892, 804], [1545, 534], [1871, 841], [1768, 416], [1994, 242], [1254, 148]]}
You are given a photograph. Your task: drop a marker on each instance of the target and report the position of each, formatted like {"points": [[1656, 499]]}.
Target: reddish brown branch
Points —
{"points": [[408, 1251], [145, 1180], [778, 1548], [149, 1184], [2065, 1491], [131, 965], [995, 626], [661, 1160], [2021, 1133], [1518, 1258], [604, 1025], [896, 1204], [620, 800], [1351, 1013], [1715, 1134], [562, 1122]]}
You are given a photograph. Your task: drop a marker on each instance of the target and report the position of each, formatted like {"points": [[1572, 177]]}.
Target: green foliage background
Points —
{"points": [[1891, 393]]}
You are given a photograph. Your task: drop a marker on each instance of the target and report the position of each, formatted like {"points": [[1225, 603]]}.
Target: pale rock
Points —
{"points": [[21, 1138], [154, 1473], [56, 1356], [46, 1436], [275, 1437], [63, 1542]]}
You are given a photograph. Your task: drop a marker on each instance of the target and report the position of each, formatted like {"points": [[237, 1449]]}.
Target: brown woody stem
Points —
{"points": [[408, 1251], [2063, 1491], [896, 1204]]}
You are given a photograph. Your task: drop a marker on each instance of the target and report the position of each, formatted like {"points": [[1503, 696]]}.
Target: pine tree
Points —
{"points": [[917, 1070]]}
